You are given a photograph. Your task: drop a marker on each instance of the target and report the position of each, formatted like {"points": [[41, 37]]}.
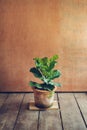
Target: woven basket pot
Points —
{"points": [[43, 98]]}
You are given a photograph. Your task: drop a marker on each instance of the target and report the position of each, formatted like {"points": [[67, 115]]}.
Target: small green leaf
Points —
{"points": [[55, 84], [44, 61], [55, 74], [55, 57], [51, 65]]}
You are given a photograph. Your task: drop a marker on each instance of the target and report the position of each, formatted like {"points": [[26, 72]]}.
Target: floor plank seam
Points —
{"points": [[38, 120], [60, 112], [18, 112], [80, 111]]}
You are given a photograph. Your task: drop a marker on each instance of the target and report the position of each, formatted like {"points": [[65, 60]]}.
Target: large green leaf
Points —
{"points": [[34, 84], [43, 86], [36, 72], [48, 87]]}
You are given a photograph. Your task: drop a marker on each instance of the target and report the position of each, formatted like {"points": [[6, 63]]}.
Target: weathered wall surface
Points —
{"points": [[30, 28]]}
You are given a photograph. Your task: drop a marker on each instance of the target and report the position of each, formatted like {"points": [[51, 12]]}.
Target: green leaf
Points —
{"points": [[55, 57], [36, 72], [52, 62], [48, 87], [55, 74], [51, 65], [55, 84], [37, 62], [34, 84], [43, 86], [45, 61]]}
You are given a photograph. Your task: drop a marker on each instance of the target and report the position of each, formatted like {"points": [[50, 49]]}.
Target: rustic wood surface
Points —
{"points": [[82, 104], [53, 107], [15, 113]]}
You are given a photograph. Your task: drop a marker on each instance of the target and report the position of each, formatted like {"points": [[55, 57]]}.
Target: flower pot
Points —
{"points": [[43, 98]]}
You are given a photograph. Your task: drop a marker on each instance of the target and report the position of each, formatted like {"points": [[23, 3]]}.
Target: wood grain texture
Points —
{"points": [[50, 120], [3, 98], [27, 120], [82, 103], [30, 29], [15, 115], [9, 111], [71, 117]]}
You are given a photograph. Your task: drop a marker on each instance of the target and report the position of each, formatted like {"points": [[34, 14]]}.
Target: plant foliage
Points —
{"points": [[44, 70]]}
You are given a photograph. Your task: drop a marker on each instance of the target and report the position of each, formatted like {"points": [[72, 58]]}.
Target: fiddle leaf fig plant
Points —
{"points": [[44, 70]]}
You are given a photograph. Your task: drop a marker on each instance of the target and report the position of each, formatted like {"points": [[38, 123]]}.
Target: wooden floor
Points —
{"points": [[71, 113]]}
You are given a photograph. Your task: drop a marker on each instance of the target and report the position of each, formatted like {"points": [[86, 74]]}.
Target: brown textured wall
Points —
{"points": [[30, 28]]}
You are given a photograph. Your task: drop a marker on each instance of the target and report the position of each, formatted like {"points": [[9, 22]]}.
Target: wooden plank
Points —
{"points": [[50, 120], [81, 99], [9, 111], [3, 97], [33, 107], [27, 119], [71, 116]]}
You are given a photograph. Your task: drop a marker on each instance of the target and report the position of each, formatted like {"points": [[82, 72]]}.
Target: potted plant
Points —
{"points": [[44, 70]]}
